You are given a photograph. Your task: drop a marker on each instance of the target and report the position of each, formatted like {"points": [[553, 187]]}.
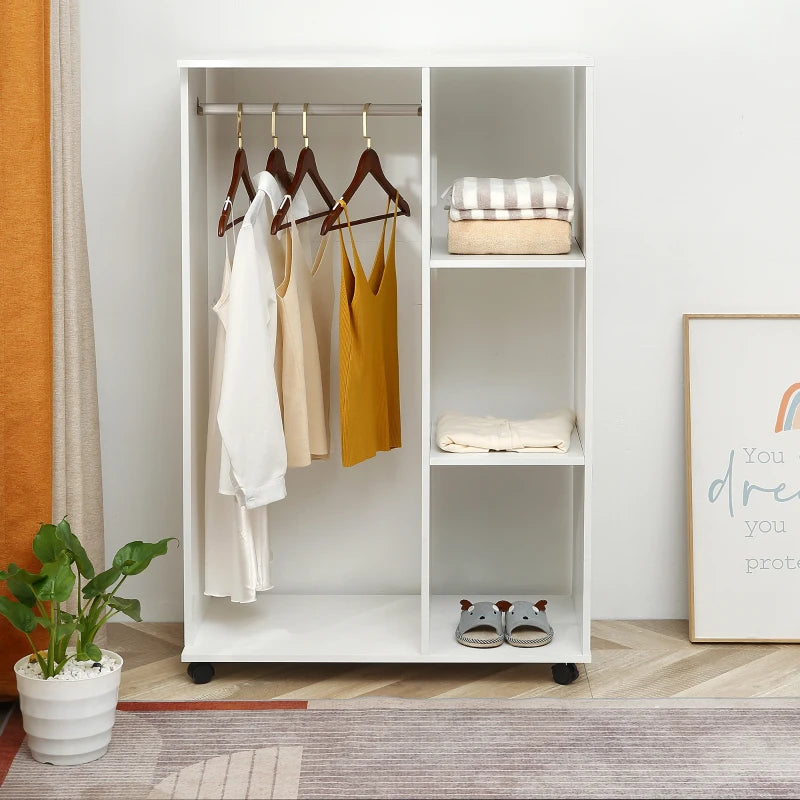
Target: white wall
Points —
{"points": [[696, 169]]}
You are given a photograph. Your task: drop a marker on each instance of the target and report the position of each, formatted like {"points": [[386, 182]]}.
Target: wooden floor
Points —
{"points": [[631, 659]]}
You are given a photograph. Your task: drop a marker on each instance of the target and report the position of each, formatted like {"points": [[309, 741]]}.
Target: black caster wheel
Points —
{"points": [[200, 672], [564, 673]]}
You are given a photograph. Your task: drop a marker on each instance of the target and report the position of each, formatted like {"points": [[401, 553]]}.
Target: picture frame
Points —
{"points": [[742, 439]]}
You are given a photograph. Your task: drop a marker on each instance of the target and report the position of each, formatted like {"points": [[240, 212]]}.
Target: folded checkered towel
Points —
{"points": [[549, 191]]}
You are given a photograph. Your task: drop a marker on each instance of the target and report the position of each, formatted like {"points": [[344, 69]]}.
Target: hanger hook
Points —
{"points": [[305, 132], [239, 125], [274, 137], [364, 125]]}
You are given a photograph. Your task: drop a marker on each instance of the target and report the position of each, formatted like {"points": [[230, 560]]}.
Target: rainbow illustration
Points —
{"points": [[789, 412]]}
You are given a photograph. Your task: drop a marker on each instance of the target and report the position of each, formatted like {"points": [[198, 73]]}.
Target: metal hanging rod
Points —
{"points": [[314, 109]]}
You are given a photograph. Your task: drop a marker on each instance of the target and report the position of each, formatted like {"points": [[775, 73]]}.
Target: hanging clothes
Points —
{"points": [[304, 420], [236, 539], [245, 449], [322, 308], [322, 295], [369, 383], [237, 551], [253, 466]]}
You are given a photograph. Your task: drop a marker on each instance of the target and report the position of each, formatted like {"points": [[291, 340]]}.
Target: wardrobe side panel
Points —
{"points": [[195, 337], [584, 338], [579, 232], [580, 596], [425, 398]]}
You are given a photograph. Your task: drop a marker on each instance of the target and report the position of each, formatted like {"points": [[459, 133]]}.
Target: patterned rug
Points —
{"points": [[428, 749]]}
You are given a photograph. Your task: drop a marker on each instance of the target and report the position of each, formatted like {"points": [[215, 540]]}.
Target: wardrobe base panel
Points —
{"points": [[281, 628], [309, 628]]}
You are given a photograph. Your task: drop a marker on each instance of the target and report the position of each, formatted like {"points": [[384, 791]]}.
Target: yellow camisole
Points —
{"points": [[369, 381]]}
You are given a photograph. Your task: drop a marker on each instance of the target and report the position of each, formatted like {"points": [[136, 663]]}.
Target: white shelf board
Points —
{"points": [[564, 648], [441, 259], [573, 456], [309, 628]]}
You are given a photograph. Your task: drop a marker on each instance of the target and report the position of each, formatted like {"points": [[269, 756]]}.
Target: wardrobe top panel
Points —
{"points": [[384, 59]]}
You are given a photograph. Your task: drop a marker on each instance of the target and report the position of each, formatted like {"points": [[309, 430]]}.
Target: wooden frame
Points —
{"points": [[754, 608]]}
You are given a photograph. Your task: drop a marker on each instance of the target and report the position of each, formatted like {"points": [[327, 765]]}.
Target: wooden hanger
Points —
{"points": [[241, 174], [276, 164], [368, 164], [306, 166]]}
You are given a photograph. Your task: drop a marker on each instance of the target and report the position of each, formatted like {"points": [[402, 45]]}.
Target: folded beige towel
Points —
{"points": [[503, 237], [459, 433]]}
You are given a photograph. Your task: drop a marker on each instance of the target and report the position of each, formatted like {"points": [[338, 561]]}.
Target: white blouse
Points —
{"points": [[246, 450]]}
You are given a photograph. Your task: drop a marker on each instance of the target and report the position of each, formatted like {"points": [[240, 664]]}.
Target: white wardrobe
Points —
{"points": [[370, 562]]}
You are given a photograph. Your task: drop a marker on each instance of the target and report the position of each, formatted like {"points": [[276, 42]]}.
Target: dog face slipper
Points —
{"points": [[527, 625], [481, 624]]}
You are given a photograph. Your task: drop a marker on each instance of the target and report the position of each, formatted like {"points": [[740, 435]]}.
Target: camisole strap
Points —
{"points": [[381, 245], [394, 220], [342, 203]]}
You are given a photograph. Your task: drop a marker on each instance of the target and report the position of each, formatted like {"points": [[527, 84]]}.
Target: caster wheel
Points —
{"points": [[200, 672], [564, 674]]}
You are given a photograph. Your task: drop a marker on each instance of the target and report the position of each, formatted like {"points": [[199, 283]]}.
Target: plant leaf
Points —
{"points": [[23, 574], [47, 544], [64, 633], [59, 581], [131, 608], [135, 557], [20, 616], [21, 590], [101, 582], [72, 543], [93, 651]]}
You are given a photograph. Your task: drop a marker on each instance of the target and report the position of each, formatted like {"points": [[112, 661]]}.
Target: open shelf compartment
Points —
{"points": [[565, 647]]}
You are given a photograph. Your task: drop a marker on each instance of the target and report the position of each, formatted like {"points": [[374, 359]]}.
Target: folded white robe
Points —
{"points": [[460, 433]]}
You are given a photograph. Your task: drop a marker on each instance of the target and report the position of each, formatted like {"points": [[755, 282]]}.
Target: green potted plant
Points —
{"points": [[68, 691]]}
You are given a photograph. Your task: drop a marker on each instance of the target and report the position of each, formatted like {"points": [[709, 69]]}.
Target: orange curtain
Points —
{"points": [[26, 351]]}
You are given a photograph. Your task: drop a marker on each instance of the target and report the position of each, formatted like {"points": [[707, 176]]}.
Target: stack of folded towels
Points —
{"points": [[514, 216]]}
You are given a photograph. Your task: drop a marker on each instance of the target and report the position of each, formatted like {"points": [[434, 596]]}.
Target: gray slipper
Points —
{"points": [[481, 625], [527, 625]]}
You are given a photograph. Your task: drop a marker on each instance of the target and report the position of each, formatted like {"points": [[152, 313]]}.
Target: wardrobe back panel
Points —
{"points": [[501, 342], [353, 530], [501, 529]]}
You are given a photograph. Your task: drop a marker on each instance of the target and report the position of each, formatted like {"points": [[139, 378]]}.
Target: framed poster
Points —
{"points": [[742, 400]]}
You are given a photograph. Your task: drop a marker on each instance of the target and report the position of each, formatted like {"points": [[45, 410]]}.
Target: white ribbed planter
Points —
{"points": [[69, 722]]}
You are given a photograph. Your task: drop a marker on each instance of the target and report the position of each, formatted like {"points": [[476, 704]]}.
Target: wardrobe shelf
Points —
{"points": [[574, 456], [564, 648], [441, 259], [306, 627]]}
